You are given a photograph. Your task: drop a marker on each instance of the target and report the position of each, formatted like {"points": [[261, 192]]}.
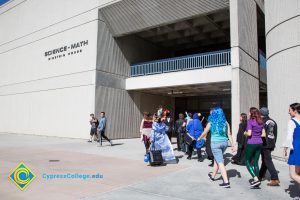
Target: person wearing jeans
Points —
{"points": [[255, 132], [101, 129], [268, 146], [220, 133], [194, 130]]}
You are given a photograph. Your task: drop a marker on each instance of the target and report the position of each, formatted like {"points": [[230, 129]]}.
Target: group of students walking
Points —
{"points": [[256, 137], [155, 131], [97, 131]]}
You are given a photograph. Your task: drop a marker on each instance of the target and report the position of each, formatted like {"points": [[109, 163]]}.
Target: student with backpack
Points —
{"points": [[268, 146], [94, 122]]}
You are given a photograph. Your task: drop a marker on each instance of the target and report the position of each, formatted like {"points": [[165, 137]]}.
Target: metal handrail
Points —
{"points": [[196, 61]]}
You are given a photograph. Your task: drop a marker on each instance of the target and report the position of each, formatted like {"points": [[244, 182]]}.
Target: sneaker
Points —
{"points": [[200, 159], [255, 183], [211, 164], [210, 177], [273, 183], [110, 143], [225, 185], [89, 141]]}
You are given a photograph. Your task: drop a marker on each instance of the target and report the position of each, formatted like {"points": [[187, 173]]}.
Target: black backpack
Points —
{"points": [[155, 155], [97, 123]]}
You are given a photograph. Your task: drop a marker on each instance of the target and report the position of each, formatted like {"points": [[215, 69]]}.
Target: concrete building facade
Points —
{"points": [[283, 60], [62, 60]]}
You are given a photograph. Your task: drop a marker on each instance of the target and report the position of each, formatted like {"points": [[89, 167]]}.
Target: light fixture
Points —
{"points": [[175, 92], [226, 89]]}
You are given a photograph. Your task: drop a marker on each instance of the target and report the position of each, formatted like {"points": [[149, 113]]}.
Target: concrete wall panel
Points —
{"points": [[283, 61], [290, 38], [110, 58], [131, 16], [244, 56], [283, 90], [278, 11]]}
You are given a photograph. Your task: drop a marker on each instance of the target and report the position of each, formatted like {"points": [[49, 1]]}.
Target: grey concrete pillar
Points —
{"points": [[283, 61], [244, 58]]}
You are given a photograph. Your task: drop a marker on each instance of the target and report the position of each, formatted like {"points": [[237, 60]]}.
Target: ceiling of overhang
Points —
{"points": [[204, 30], [209, 89]]}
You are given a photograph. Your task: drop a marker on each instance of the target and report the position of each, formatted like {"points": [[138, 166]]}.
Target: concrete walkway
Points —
{"points": [[125, 175]]}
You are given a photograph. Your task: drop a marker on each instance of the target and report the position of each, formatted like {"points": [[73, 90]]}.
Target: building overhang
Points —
{"points": [[188, 77], [129, 16]]}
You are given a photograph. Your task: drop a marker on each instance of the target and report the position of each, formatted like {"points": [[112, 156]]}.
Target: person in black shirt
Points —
{"points": [[94, 124], [180, 129], [241, 139], [208, 150], [268, 146]]}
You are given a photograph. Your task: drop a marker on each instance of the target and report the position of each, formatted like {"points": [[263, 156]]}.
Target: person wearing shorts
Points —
{"points": [[94, 123], [220, 133]]}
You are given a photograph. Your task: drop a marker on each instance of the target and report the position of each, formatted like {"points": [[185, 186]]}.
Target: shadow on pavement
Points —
{"points": [[293, 190], [116, 144], [227, 158], [231, 173]]}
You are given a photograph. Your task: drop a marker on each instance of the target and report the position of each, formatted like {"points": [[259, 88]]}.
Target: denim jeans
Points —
{"points": [[218, 149]]}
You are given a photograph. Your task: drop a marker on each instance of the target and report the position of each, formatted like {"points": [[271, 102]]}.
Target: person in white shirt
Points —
{"points": [[292, 142]]}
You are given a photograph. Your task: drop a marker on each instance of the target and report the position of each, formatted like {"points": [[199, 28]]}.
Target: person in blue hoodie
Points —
{"points": [[160, 141], [195, 129]]}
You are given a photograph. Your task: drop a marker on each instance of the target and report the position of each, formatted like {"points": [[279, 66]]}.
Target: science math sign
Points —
{"points": [[66, 50]]}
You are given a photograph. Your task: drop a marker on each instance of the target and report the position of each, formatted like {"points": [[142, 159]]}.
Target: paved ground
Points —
{"points": [[125, 175]]}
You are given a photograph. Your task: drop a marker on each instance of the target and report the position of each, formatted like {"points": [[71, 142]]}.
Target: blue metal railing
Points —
{"points": [[262, 60], [196, 61]]}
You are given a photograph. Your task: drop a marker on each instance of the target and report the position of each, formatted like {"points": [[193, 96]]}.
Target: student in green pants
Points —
{"points": [[255, 132]]}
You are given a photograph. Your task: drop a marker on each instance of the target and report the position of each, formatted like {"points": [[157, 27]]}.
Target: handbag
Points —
{"points": [[188, 139], [155, 156]]}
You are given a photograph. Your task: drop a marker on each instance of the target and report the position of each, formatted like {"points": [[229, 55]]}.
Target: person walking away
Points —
{"points": [[160, 141], [241, 139], [195, 129], [179, 129], [169, 123], [101, 129], [208, 150], [145, 130], [292, 143], [220, 133], [94, 124], [269, 142], [255, 132]]}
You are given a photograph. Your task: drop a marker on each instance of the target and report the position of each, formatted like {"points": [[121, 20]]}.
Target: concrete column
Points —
{"points": [[244, 59], [283, 61]]}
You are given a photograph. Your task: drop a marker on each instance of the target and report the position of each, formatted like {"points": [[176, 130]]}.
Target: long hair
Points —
{"points": [[255, 114], [218, 120], [244, 117]]}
